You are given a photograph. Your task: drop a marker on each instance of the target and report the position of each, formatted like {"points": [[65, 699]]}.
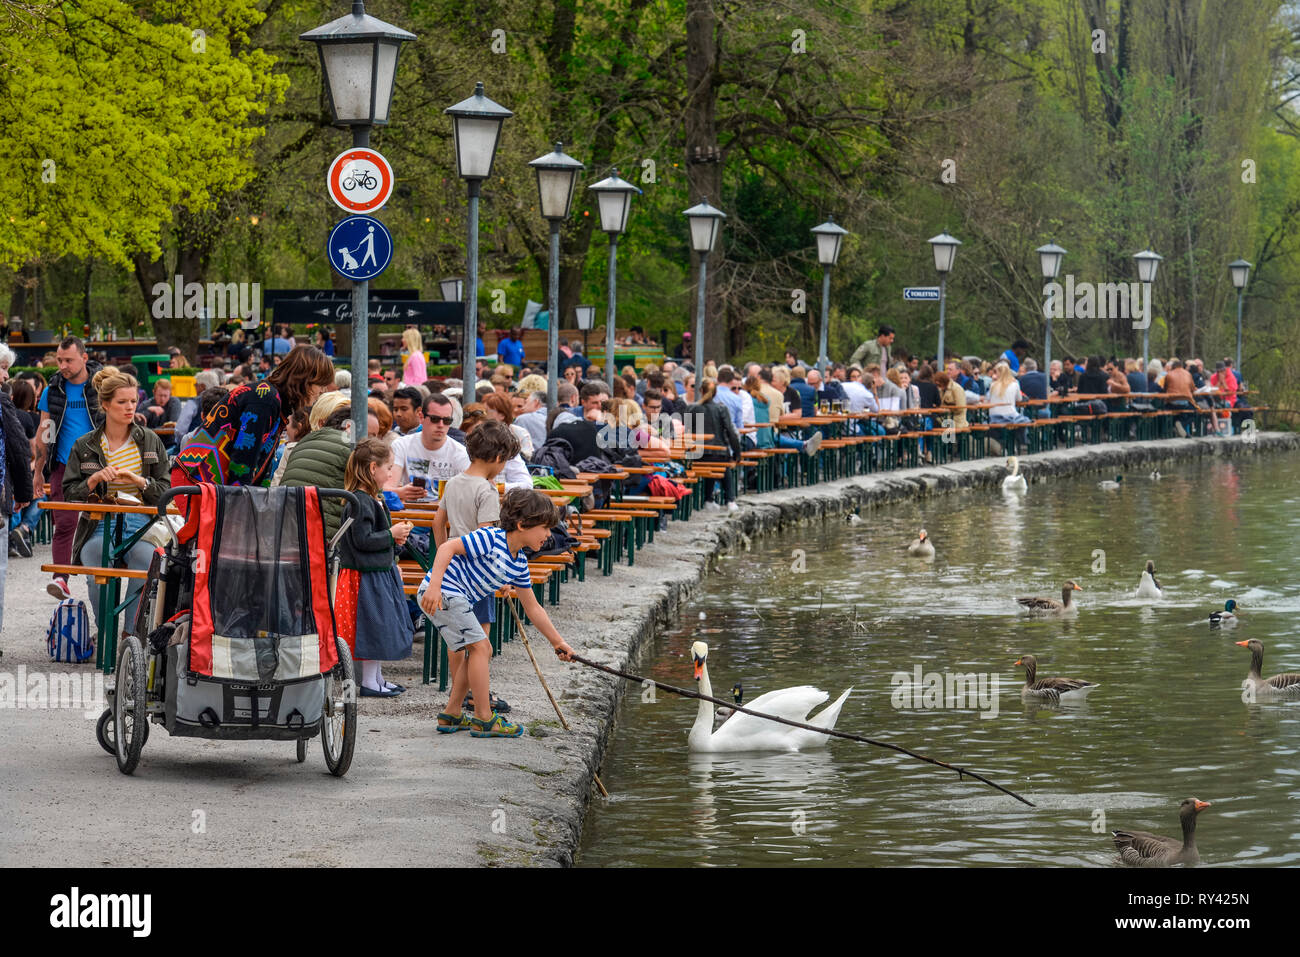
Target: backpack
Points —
{"points": [[69, 637]]}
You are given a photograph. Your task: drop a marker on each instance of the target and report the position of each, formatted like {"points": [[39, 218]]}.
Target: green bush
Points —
{"points": [[435, 372], [47, 371]]}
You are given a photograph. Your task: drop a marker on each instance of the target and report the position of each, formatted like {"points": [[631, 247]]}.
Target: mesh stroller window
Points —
{"points": [[259, 586]]}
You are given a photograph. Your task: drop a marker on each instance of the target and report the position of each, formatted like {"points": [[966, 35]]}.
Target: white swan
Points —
{"points": [[1148, 587], [744, 732], [1015, 482]]}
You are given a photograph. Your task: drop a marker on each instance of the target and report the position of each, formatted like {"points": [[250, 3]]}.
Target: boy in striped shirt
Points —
{"points": [[464, 571]]}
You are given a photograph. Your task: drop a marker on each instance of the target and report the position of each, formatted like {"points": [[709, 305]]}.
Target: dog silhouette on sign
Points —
{"points": [[348, 262]]}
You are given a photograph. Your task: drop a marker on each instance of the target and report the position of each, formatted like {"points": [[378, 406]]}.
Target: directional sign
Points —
{"points": [[360, 180], [921, 293], [360, 248], [339, 312], [269, 296]]}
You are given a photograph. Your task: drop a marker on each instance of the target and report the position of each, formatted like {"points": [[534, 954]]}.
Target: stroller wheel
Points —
{"points": [[302, 750], [130, 721], [104, 732], [339, 722]]}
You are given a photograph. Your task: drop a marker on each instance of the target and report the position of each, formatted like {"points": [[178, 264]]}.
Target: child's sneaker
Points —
{"points": [[494, 727]]}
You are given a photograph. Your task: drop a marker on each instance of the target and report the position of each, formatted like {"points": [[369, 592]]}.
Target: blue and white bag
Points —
{"points": [[70, 638]]}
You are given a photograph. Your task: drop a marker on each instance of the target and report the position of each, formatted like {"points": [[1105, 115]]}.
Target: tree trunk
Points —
{"points": [[704, 160]]}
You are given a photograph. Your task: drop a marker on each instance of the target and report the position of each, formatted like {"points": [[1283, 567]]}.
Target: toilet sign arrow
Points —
{"points": [[360, 180]]}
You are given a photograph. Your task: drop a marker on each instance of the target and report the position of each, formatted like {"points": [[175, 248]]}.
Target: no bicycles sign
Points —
{"points": [[360, 180]]}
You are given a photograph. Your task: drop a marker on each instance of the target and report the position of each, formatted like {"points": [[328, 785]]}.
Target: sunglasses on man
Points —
{"points": [[444, 419]]}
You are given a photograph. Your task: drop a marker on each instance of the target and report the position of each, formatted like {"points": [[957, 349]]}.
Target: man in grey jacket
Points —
{"points": [[874, 350]]}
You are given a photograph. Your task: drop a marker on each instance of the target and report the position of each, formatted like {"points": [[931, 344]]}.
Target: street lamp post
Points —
{"points": [[614, 197], [1240, 270], [452, 289], [706, 223], [557, 173], [945, 251], [586, 316], [830, 237], [1147, 263], [476, 123], [1049, 258], [358, 58]]}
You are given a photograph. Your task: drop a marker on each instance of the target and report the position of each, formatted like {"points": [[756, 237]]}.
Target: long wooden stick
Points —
{"points": [[961, 772], [547, 688]]}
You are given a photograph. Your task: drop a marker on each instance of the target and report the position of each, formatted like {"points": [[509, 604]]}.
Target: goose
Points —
{"points": [[1015, 482], [1155, 475], [1050, 606], [1143, 849], [1278, 686], [1111, 485], [1227, 617], [737, 695], [1148, 587], [1055, 690], [921, 548], [744, 732]]}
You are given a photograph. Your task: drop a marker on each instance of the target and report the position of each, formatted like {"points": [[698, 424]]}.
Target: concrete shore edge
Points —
{"points": [[614, 620]]}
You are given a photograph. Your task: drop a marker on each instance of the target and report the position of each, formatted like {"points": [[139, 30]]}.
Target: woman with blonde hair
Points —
{"points": [[416, 371], [118, 458]]}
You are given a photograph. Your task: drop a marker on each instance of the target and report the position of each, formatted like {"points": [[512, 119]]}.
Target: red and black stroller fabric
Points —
{"points": [[261, 603]]}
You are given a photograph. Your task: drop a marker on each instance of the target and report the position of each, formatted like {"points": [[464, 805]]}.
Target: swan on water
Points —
{"points": [[1015, 482], [744, 732]]}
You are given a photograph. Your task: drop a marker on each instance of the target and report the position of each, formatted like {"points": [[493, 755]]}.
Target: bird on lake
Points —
{"points": [[853, 518], [1278, 686], [722, 713], [1148, 587], [1226, 618], [921, 548], [1143, 849], [1047, 607], [1055, 690], [745, 732], [1155, 475], [1015, 482], [1111, 485]]}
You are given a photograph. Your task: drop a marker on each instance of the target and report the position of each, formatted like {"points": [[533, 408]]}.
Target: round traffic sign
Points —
{"points": [[360, 180], [359, 247]]}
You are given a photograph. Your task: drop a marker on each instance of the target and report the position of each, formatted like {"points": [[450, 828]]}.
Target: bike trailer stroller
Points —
{"points": [[234, 631]]}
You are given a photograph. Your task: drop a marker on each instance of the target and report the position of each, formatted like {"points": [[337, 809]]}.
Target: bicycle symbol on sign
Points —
{"points": [[365, 180]]}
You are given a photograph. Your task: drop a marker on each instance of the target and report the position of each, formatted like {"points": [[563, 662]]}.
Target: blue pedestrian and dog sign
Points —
{"points": [[360, 248], [921, 293]]}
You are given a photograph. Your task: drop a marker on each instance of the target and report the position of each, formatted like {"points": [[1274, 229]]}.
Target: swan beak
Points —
{"points": [[699, 668], [1202, 805], [1242, 643]]}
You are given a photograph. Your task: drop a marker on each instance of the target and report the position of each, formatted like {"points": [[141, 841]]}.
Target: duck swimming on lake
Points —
{"points": [[1143, 849], [1226, 618], [1111, 485], [1279, 686], [722, 713], [1148, 587], [921, 548], [744, 732], [1049, 607], [1155, 475], [1015, 482], [1055, 690]]}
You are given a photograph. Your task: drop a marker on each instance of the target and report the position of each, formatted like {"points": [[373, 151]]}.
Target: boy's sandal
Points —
{"points": [[494, 727], [496, 704], [455, 722]]}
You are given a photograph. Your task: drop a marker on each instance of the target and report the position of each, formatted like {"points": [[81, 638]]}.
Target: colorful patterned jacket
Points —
{"points": [[236, 442]]}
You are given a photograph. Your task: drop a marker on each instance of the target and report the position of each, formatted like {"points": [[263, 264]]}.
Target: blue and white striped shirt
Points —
{"points": [[486, 566]]}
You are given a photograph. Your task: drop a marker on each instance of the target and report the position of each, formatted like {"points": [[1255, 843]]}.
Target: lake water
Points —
{"points": [[1167, 722]]}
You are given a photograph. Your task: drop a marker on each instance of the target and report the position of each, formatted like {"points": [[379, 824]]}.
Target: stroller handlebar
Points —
{"points": [[171, 493]]}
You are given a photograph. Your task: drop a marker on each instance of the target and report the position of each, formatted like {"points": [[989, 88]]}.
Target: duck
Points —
{"points": [[921, 548], [1148, 587], [853, 518], [744, 732], [1015, 482], [722, 713], [1055, 690], [1155, 475], [1050, 606], [1279, 686], [1111, 485], [1227, 617], [1142, 849]]}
